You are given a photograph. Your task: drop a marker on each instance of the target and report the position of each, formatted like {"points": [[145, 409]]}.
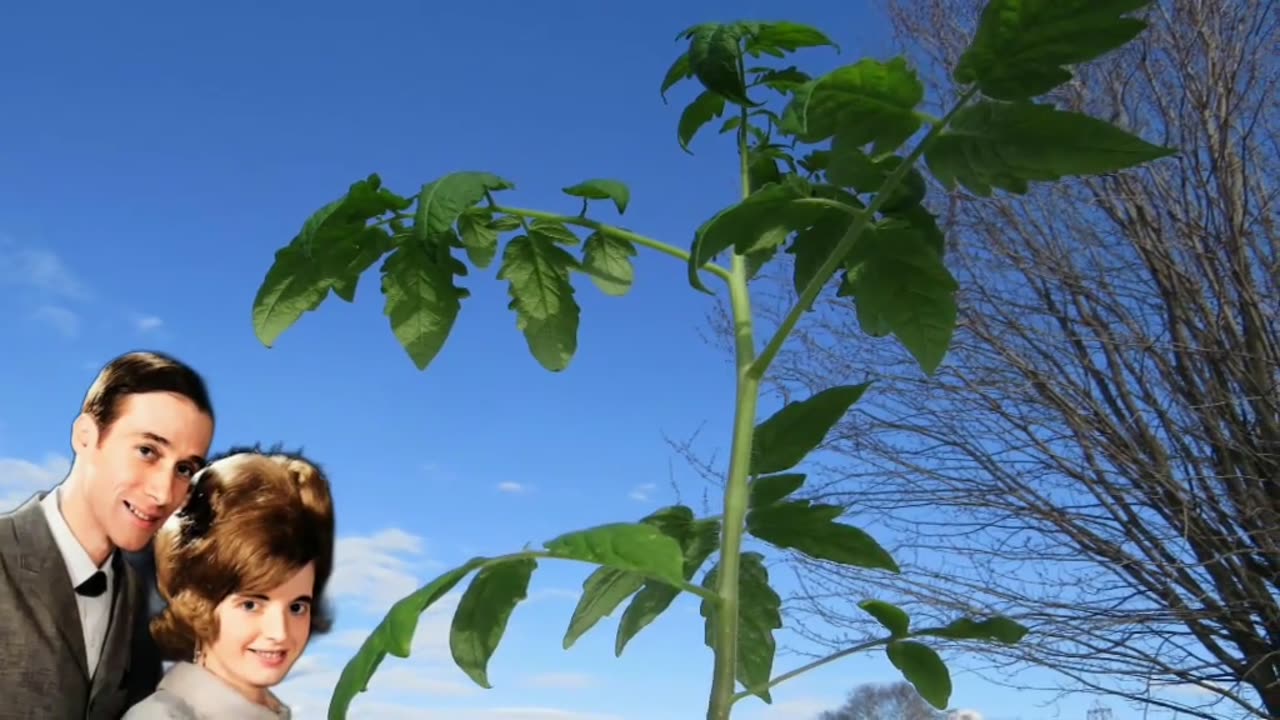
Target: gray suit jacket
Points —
{"points": [[43, 672]]}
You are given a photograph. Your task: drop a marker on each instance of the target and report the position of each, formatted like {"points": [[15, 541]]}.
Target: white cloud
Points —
{"points": [[641, 493], [560, 680], [805, 708], [37, 269], [377, 570], [64, 321], [513, 488], [20, 478], [146, 323], [964, 715]]}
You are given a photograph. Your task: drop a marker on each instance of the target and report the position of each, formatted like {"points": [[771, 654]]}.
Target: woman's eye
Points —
{"points": [[146, 451], [299, 608], [249, 604]]}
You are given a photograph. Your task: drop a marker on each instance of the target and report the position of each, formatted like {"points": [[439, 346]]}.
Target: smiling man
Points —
{"points": [[73, 614]]}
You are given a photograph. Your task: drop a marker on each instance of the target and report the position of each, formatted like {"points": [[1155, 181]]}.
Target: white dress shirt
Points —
{"points": [[95, 612]]}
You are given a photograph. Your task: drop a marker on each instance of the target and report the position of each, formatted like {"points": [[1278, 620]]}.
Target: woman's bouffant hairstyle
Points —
{"points": [[254, 518]]}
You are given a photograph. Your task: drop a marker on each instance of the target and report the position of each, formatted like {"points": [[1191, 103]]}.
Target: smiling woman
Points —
{"points": [[243, 568]]}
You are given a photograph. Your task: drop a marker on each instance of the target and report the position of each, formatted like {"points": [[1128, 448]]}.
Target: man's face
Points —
{"points": [[139, 469]]}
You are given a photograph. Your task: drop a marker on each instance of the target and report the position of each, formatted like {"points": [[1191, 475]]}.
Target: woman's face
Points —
{"points": [[260, 637]]}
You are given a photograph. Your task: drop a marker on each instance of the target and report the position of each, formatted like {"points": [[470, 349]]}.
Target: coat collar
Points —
{"points": [[209, 695]]}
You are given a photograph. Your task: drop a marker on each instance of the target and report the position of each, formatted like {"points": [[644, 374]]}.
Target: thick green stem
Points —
{"points": [[724, 673], [616, 232], [842, 248], [735, 499]]}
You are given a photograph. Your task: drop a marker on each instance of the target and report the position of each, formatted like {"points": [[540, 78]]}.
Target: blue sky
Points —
{"points": [[152, 159]]}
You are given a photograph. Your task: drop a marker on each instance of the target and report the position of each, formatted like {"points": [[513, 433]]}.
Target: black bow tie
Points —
{"points": [[94, 586]]}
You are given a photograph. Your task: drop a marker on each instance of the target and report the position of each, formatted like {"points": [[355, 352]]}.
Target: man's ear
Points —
{"points": [[84, 433]]}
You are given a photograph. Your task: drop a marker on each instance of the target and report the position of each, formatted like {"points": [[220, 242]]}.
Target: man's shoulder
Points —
{"points": [[161, 705], [27, 507]]}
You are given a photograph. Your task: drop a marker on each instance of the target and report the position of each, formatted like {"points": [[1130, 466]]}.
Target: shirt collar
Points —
{"points": [[79, 565], [208, 695]]}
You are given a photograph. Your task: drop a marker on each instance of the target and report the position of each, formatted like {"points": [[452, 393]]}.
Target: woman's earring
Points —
{"points": [[197, 657]]}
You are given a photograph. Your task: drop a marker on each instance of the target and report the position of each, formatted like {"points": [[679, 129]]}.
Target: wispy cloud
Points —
{"points": [[147, 323], [377, 570], [805, 708], [38, 269], [642, 493], [19, 478], [63, 321], [512, 488]]}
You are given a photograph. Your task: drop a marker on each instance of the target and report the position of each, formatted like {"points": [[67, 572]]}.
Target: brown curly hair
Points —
{"points": [[254, 519]]}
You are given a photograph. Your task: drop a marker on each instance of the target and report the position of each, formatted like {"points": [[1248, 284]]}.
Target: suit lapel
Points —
{"points": [[114, 662], [44, 576]]}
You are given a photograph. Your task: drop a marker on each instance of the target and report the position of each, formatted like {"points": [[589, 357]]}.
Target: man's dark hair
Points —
{"points": [[142, 372]]}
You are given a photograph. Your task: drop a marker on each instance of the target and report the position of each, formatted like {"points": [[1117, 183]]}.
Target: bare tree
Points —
{"points": [[897, 701], [1099, 456]]}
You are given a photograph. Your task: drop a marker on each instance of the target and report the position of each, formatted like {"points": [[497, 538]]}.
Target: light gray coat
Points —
{"points": [[190, 692]]}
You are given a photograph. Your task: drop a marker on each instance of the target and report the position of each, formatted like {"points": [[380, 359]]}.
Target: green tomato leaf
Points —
{"points": [[704, 108], [775, 38], [893, 618], [772, 488], [393, 635], [602, 592], [922, 667], [553, 231], [479, 236], [812, 530], [638, 547], [422, 302], [602, 189], [678, 71], [373, 243], [1020, 47], [1005, 145], [901, 286], [851, 167], [607, 260], [673, 520], [333, 247], [813, 245], [792, 432], [442, 201], [505, 223], [762, 170], [759, 614], [483, 612], [699, 541], [715, 55], [919, 220], [999, 629], [784, 81], [869, 101], [762, 221], [537, 271]]}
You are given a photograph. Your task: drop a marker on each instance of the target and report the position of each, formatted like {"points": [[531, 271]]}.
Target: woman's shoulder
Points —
{"points": [[161, 705]]}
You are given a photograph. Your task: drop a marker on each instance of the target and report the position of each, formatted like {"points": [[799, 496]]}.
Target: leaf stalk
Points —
{"points": [[611, 230]]}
